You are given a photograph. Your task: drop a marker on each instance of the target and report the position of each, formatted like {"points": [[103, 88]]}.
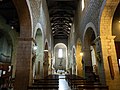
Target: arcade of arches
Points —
{"points": [[44, 37]]}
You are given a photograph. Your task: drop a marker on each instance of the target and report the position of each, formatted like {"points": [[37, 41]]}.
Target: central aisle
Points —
{"points": [[63, 85]]}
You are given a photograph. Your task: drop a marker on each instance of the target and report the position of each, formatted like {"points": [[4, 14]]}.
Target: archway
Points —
{"points": [[107, 43], [116, 32], [9, 33], [79, 55], [38, 70], [88, 60], [60, 61]]}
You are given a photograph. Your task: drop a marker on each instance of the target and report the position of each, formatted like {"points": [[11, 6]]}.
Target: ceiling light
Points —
{"points": [[70, 24]]}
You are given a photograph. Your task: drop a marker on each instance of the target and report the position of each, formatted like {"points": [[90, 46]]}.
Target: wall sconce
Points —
{"points": [[119, 21], [119, 61], [45, 50], [81, 53], [35, 47]]}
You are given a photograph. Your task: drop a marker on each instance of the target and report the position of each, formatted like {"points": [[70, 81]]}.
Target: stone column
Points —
{"points": [[87, 62], [100, 59], [108, 49], [23, 76]]}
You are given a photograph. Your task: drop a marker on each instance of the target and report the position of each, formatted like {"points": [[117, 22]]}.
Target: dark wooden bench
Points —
{"points": [[43, 87], [92, 87], [51, 82], [75, 83], [74, 79]]}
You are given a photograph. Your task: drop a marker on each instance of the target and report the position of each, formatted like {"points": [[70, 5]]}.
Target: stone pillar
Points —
{"points": [[87, 62], [108, 49], [100, 59], [23, 76]]}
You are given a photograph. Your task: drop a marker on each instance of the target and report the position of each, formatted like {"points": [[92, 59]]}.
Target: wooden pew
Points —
{"points": [[43, 87], [49, 83], [79, 83], [74, 79], [92, 87]]}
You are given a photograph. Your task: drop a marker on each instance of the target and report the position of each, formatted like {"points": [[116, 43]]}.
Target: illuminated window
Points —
{"points": [[119, 62], [60, 53], [83, 4]]}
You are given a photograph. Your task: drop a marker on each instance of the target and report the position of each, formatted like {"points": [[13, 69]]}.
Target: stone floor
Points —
{"points": [[63, 85]]}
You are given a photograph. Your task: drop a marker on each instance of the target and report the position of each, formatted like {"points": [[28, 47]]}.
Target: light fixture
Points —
{"points": [[81, 53], [119, 61], [119, 21], [70, 24], [35, 47], [45, 50], [12, 27], [60, 53], [83, 5]]}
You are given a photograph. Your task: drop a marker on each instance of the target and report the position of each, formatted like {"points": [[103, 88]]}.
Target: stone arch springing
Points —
{"points": [[24, 18]]}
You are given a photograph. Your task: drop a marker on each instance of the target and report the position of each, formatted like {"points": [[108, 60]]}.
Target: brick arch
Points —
{"points": [[107, 16], [107, 43], [25, 17]]}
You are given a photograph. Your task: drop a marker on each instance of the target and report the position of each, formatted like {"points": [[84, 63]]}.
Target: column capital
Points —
{"points": [[26, 39], [107, 37], [104, 38]]}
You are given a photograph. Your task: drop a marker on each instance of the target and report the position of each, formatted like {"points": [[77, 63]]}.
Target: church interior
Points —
{"points": [[59, 44]]}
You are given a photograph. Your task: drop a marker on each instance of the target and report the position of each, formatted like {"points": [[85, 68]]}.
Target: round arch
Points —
{"points": [[60, 62], [107, 42], [90, 24], [25, 19], [39, 42], [89, 37]]}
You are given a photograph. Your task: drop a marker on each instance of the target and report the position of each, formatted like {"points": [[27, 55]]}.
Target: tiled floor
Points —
{"points": [[63, 85]]}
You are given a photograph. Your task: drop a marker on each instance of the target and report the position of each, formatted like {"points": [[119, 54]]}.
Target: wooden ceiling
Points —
{"points": [[61, 14]]}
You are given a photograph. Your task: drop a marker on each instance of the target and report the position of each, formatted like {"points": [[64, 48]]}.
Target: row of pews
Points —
{"points": [[51, 82], [80, 83]]}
